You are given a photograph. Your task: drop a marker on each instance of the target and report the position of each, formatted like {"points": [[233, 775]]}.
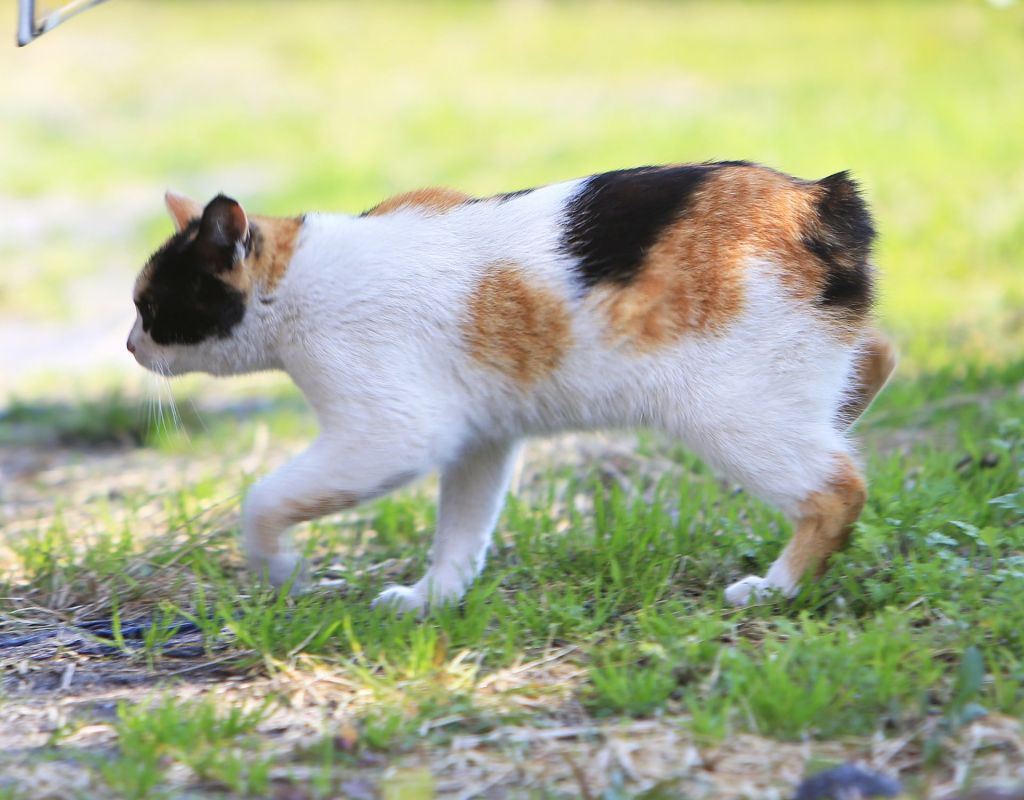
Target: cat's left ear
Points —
{"points": [[224, 223], [182, 209]]}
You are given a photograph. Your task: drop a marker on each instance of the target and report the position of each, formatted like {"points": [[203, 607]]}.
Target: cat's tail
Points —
{"points": [[841, 234]]}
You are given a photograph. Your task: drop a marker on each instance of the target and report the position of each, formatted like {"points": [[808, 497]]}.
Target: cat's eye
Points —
{"points": [[147, 311]]}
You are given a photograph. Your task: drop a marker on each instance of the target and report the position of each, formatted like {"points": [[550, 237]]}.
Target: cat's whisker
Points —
{"points": [[164, 371], [148, 406], [198, 417], [175, 416], [157, 385], [161, 423], [152, 420], [144, 413]]}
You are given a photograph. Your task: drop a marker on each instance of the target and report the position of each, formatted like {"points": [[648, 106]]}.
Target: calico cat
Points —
{"points": [[725, 303]]}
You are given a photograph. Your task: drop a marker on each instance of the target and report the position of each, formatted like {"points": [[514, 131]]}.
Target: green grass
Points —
{"points": [[915, 631], [217, 746], [601, 606]]}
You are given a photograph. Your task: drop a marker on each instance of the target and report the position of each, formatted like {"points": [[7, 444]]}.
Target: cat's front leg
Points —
{"points": [[328, 477], [472, 492]]}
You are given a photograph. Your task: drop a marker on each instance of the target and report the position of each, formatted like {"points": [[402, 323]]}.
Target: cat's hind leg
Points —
{"points": [[823, 519], [822, 523], [771, 424], [472, 493]]}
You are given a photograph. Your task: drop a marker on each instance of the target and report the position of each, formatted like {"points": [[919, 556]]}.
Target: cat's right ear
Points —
{"points": [[182, 209]]}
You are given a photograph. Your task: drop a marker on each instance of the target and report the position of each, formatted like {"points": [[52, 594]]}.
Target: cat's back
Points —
{"points": [[648, 257], [594, 301], [673, 245], [634, 261]]}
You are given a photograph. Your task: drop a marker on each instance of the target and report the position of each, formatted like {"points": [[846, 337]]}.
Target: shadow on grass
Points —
{"points": [[118, 421]]}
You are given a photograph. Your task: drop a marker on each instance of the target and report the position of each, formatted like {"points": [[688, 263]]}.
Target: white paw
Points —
{"points": [[430, 591], [751, 589], [279, 568], [404, 599], [331, 585]]}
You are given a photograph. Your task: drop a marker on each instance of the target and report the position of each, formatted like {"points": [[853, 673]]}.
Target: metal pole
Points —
{"points": [[26, 21], [29, 29]]}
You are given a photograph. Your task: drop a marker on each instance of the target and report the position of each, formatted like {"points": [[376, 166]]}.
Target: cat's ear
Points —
{"points": [[224, 223], [182, 209]]}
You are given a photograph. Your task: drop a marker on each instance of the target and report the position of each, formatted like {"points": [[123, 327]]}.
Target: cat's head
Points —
{"points": [[193, 295]]}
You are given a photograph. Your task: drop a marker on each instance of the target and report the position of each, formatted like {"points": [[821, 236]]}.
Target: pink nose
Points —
{"points": [[131, 347]]}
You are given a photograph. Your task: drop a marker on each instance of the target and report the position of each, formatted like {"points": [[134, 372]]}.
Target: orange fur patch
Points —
{"points": [[825, 521], [516, 327], [874, 366], [301, 509], [272, 253], [432, 200], [182, 209], [692, 278]]}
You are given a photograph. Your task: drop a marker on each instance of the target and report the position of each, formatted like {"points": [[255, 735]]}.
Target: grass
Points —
{"points": [[595, 656], [915, 632], [217, 746]]}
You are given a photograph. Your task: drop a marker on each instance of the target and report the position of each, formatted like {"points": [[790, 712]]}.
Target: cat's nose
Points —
{"points": [[131, 346]]}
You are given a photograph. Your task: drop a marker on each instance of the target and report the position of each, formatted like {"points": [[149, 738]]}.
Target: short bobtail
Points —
{"points": [[841, 233]]}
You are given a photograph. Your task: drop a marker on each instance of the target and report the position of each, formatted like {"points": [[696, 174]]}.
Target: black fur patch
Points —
{"points": [[504, 197], [841, 236], [184, 301], [616, 218]]}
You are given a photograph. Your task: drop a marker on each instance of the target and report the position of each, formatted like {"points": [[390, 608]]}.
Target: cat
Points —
{"points": [[724, 303]]}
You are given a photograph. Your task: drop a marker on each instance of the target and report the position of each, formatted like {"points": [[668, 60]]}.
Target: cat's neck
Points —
{"points": [[270, 247]]}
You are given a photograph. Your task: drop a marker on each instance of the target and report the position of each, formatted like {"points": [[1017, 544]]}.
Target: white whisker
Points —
{"points": [[155, 386], [160, 421], [175, 417], [198, 417]]}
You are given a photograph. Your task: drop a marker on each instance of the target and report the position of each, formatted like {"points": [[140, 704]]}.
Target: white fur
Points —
{"points": [[368, 322]]}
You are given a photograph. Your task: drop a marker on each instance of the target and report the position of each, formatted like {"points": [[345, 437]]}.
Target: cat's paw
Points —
{"points": [[430, 591], [279, 569], [751, 589], [404, 599]]}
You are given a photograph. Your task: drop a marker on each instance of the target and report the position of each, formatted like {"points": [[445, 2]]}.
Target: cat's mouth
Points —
{"points": [[146, 352], [157, 364], [149, 361]]}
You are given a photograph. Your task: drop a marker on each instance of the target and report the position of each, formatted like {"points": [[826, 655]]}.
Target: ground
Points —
{"points": [[596, 656]]}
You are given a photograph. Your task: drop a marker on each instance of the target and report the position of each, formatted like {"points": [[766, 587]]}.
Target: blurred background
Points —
{"points": [[293, 106], [119, 494]]}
